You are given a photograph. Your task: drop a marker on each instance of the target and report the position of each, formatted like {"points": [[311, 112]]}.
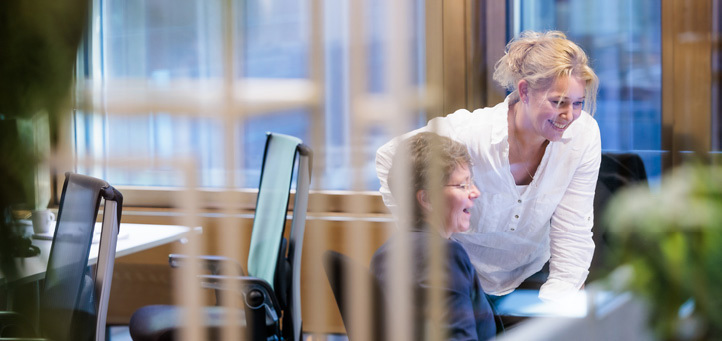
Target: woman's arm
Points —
{"points": [[571, 243]]}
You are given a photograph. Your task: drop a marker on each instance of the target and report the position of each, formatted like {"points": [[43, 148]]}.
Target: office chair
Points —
{"points": [[74, 300], [617, 171], [271, 287], [341, 271]]}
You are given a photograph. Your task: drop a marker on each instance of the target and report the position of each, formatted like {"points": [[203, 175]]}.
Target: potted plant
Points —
{"points": [[672, 239]]}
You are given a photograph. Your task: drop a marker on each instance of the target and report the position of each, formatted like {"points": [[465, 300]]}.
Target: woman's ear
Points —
{"points": [[422, 197], [523, 88]]}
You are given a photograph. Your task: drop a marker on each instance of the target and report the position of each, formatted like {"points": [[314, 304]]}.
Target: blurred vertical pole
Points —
{"points": [[317, 62], [357, 233], [399, 91], [437, 250], [433, 51], [716, 133], [316, 73], [229, 234], [435, 72], [187, 291], [314, 241]]}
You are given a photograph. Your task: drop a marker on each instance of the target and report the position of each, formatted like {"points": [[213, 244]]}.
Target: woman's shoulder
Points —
{"points": [[499, 110], [456, 248], [469, 126], [459, 256]]}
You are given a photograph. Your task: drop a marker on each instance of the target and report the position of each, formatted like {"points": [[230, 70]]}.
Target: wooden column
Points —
{"points": [[686, 79], [464, 39]]}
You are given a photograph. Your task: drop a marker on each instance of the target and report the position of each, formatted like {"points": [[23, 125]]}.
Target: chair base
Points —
{"points": [[163, 323]]}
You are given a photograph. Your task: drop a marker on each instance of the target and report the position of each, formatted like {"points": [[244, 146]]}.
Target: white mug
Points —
{"points": [[43, 221]]}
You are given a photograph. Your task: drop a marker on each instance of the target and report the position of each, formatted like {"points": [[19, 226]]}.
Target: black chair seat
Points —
{"points": [[161, 322]]}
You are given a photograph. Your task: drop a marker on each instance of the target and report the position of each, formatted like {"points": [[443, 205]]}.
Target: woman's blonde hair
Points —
{"points": [[540, 58]]}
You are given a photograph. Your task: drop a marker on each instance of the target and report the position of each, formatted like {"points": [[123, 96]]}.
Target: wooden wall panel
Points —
{"points": [[455, 55], [464, 40], [686, 78]]}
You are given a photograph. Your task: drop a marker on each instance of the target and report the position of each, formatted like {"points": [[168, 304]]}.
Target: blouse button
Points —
{"points": [[519, 201], [516, 216], [512, 229]]}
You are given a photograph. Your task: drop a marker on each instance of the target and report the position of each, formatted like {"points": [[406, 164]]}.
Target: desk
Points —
{"points": [[593, 316], [526, 303], [132, 238]]}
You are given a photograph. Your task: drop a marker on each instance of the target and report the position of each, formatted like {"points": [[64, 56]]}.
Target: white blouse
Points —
{"points": [[513, 233]]}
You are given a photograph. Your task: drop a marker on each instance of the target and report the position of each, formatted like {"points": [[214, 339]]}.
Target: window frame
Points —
{"points": [[480, 36], [165, 197]]}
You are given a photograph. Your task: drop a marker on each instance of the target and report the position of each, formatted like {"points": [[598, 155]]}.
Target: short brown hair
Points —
{"points": [[426, 154]]}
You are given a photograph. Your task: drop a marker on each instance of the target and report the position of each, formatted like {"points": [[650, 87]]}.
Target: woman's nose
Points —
{"points": [[566, 112], [474, 193]]}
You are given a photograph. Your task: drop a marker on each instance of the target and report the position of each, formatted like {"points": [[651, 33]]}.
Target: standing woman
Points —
{"points": [[536, 155]]}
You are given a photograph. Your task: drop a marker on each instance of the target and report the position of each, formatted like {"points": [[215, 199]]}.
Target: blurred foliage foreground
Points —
{"points": [[39, 41], [672, 239]]}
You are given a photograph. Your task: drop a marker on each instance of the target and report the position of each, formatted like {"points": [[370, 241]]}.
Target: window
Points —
{"points": [[160, 71]]}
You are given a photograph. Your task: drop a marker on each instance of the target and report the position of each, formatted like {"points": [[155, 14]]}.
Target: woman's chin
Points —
{"points": [[462, 229]]}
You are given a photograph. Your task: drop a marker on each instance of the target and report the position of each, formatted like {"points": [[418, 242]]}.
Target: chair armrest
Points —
{"points": [[214, 264]]}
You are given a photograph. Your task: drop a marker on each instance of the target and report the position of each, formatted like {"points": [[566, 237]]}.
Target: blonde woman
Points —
{"points": [[536, 156]]}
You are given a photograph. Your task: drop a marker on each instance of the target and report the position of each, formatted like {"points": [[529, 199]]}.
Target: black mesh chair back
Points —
{"points": [[71, 306], [616, 171]]}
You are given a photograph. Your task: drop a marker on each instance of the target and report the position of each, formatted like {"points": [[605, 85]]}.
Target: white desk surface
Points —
{"points": [[132, 238]]}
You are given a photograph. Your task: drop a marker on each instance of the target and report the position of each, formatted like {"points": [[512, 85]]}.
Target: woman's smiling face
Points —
{"points": [[459, 201], [552, 112]]}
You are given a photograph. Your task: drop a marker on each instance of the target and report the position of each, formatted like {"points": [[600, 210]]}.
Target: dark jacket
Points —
{"points": [[468, 315]]}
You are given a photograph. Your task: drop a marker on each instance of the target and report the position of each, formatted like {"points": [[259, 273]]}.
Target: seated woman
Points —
{"points": [[442, 193]]}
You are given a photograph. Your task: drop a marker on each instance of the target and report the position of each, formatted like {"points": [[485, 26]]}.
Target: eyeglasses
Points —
{"points": [[467, 186]]}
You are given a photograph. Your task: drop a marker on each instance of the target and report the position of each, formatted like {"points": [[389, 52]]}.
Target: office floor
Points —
{"points": [[120, 333]]}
